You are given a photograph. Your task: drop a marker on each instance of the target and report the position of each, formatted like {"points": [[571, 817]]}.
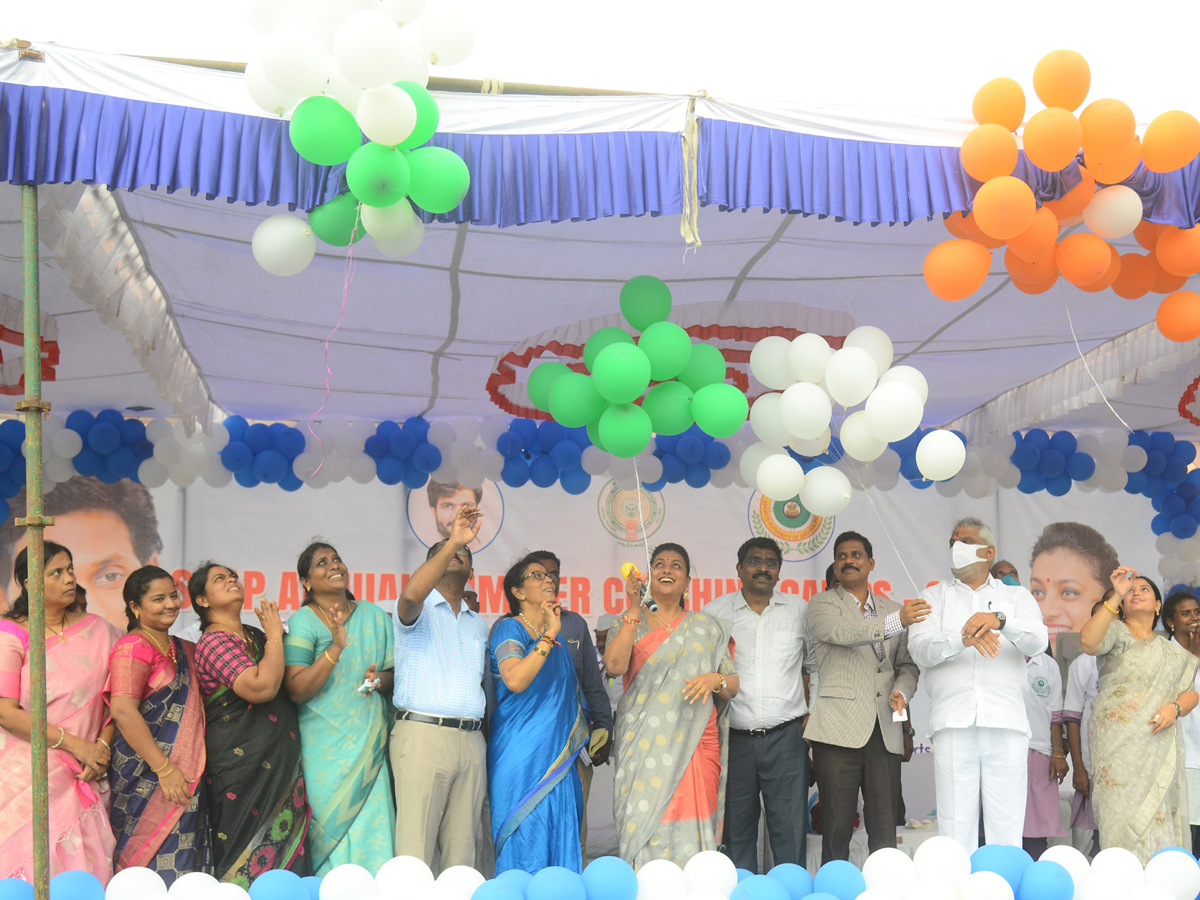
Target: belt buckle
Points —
{"points": [[758, 732]]}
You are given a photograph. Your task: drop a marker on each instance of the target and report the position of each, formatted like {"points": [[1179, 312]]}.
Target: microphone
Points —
{"points": [[647, 599]]}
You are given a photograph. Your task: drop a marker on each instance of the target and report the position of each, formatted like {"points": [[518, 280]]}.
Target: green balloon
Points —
{"points": [[574, 400], [337, 222], [707, 366], [645, 300], [377, 175], [669, 349], [720, 410], [622, 373], [440, 179], [625, 430], [541, 380], [323, 131], [593, 430], [428, 115], [669, 406], [599, 341]]}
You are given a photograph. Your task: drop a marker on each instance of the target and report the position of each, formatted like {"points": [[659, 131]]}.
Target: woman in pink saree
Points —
{"points": [[671, 748], [78, 730]]}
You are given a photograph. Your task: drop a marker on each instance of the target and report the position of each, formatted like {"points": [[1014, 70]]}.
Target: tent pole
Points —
{"points": [[33, 407]]}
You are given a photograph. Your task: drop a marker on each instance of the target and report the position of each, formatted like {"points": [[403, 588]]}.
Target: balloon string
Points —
{"points": [[642, 520], [1086, 367], [347, 278]]}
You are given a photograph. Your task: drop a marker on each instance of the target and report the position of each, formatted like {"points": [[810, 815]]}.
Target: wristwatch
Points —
{"points": [[1000, 617], [724, 684]]}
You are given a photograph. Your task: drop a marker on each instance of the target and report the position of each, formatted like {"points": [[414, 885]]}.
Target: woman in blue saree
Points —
{"points": [[537, 731]]}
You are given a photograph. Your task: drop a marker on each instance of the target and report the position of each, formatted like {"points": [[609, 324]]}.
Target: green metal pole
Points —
{"points": [[34, 408]]}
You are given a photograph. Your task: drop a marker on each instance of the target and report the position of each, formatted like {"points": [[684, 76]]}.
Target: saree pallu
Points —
{"points": [[669, 787], [343, 736], [1139, 793], [76, 670], [535, 737], [151, 830], [257, 804]]}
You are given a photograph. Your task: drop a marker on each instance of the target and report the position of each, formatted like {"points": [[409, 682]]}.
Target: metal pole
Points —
{"points": [[34, 408]]}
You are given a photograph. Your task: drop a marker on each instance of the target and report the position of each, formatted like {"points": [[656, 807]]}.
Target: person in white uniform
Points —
{"points": [[971, 651], [1083, 684], [1047, 759], [1181, 615]]}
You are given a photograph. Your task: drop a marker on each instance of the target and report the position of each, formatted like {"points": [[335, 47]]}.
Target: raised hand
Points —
{"points": [[1122, 580], [338, 630], [466, 525], [268, 617], [635, 588], [914, 611], [553, 616]]}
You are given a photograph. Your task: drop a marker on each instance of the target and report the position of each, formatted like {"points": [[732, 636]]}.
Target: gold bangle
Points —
{"points": [[332, 661], [280, 643], [541, 651], [62, 736], [163, 774], [107, 745], [628, 621], [162, 768], [1115, 612], [1057, 756]]}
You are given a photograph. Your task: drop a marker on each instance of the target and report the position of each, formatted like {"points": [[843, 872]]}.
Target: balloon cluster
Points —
{"points": [[1006, 212], [109, 446], [262, 454], [547, 453], [1050, 462], [362, 70], [691, 457], [403, 453], [613, 402], [12, 461]]}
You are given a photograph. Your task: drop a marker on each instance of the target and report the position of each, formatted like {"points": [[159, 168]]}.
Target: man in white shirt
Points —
{"points": [[767, 752], [864, 674], [971, 650]]}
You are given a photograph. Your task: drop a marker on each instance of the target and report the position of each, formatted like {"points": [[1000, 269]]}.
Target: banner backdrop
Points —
{"points": [[382, 534]]}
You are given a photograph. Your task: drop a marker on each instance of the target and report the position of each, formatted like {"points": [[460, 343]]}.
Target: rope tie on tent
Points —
{"points": [[689, 225], [492, 86]]}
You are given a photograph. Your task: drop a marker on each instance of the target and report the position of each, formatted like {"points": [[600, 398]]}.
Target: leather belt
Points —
{"points": [[406, 715], [759, 732]]}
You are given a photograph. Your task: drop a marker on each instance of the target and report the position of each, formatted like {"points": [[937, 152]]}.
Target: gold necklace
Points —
{"points": [[529, 625], [161, 649], [61, 638], [673, 624], [328, 623]]}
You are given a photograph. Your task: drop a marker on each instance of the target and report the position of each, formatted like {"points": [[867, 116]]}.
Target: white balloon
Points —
{"points": [[361, 468], [1133, 458], [348, 881], [389, 223], [403, 12], [216, 438], [351, 441], [335, 467], [1115, 480], [594, 460], [470, 476], [650, 470], [932, 888], [1175, 871], [447, 32], [751, 458], [1113, 213], [814, 446], [722, 477], [779, 477], [768, 362], [972, 463], [850, 375], [1077, 865], [406, 244], [887, 463], [192, 886], [284, 245], [443, 890], [857, 440], [985, 886], [826, 491], [979, 486], [66, 444], [264, 93], [225, 892], [182, 476], [950, 487], [135, 883], [661, 879], [386, 114], [910, 376], [168, 452], [889, 869], [491, 463], [766, 420], [807, 356], [217, 476], [1011, 477], [1118, 866], [877, 894], [940, 857], [1094, 887], [805, 410], [342, 89], [1089, 444], [464, 877], [1151, 892], [58, 468], [441, 435], [265, 16], [366, 47], [329, 15], [940, 455], [294, 61], [413, 63], [711, 870], [875, 341], [403, 875], [894, 411]]}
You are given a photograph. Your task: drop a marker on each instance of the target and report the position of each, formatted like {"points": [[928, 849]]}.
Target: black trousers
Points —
{"points": [[774, 766], [841, 773]]}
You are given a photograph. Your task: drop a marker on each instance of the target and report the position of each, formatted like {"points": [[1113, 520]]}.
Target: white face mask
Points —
{"points": [[963, 555]]}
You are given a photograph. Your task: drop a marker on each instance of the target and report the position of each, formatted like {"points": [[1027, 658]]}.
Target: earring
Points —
{"points": [[137, 614]]}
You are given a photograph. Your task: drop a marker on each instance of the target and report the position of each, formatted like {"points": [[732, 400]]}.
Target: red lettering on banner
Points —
{"points": [[882, 589], [181, 577], [387, 587], [289, 591], [789, 586], [702, 592], [581, 594], [731, 585], [810, 588], [255, 583], [491, 593], [614, 595]]}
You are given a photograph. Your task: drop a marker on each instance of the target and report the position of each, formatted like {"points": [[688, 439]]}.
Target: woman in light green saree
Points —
{"points": [[1139, 795]]}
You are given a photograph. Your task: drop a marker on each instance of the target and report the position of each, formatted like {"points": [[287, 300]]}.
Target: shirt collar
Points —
{"points": [[776, 598], [436, 597], [991, 582], [842, 592]]}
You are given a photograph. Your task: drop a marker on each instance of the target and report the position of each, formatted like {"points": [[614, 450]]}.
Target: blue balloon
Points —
{"points": [[1140, 439], [542, 470], [1170, 849], [795, 878], [509, 445], [1154, 486], [1064, 442], [820, 895], [655, 486], [555, 883], [5, 509], [610, 878], [1038, 438], [579, 436], [1187, 491], [413, 478], [1156, 462], [518, 877], [288, 440], [12, 433], [1058, 485], [17, 469], [908, 446], [716, 455], [236, 426], [665, 444], [237, 457], [1171, 505], [132, 431], [1008, 862], [1031, 482], [124, 462], [74, 884], [1175, 470], [290, 481], [426, 458], [550, 434], [7, 457], [1136, 483], [1183, 526], [419, 425], [526, 430], [1160, 524], [403, 444], [697, 476], [1081, 466], [80, 421], [270, 466], [1025, 457], [276, 884], [760, 887], [575, 481], [1162, 441], [1052, 463], [909, 468], [258, 437], [143, 449], [923, 484], [88, 462], [376, 447], [111, 416], [312, 884], [103, 437], [1185, 451], [690, 449], [1045, 880], [389, 469], [495, 889], [566, 455], [247, 479], [387, 428], [743, 874], [1194, 508], [515, 473], [15, 889], [674, 471], [105, 472]]}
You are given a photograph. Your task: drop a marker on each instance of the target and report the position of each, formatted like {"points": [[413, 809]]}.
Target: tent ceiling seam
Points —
{"points": [[460, 242]]}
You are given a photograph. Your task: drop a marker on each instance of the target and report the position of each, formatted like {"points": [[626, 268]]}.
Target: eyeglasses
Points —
{"points": [[537, 575], [756, 562]]}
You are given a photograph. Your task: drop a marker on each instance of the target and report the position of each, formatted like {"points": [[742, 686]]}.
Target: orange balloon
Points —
{"points": [[1116, 168], [989, 151], [1178, 250], [1004, 207], [1052, 138], [999, 102], [1034, 287], [1172, 141], [1036, 241], [1062, 78], [1146, 234], [1030, 270], [957, 269], [964, 226], [1179, 316], [1111, 275], [1083, 258], [1074, 201], [1108, 127], [1136, 276], [1165, 282]]}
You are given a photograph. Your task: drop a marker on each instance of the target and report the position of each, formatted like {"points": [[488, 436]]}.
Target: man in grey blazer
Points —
{"points": [[865, 673]]}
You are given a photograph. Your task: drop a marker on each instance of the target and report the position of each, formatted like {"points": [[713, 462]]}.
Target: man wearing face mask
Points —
{"points": [[1003, 570], [971, 650]]}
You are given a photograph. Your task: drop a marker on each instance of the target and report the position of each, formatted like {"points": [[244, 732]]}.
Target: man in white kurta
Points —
{"points": [[971, 650]]}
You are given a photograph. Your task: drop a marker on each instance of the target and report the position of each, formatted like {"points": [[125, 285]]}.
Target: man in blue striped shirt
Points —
{"points": [[437, 748]]}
